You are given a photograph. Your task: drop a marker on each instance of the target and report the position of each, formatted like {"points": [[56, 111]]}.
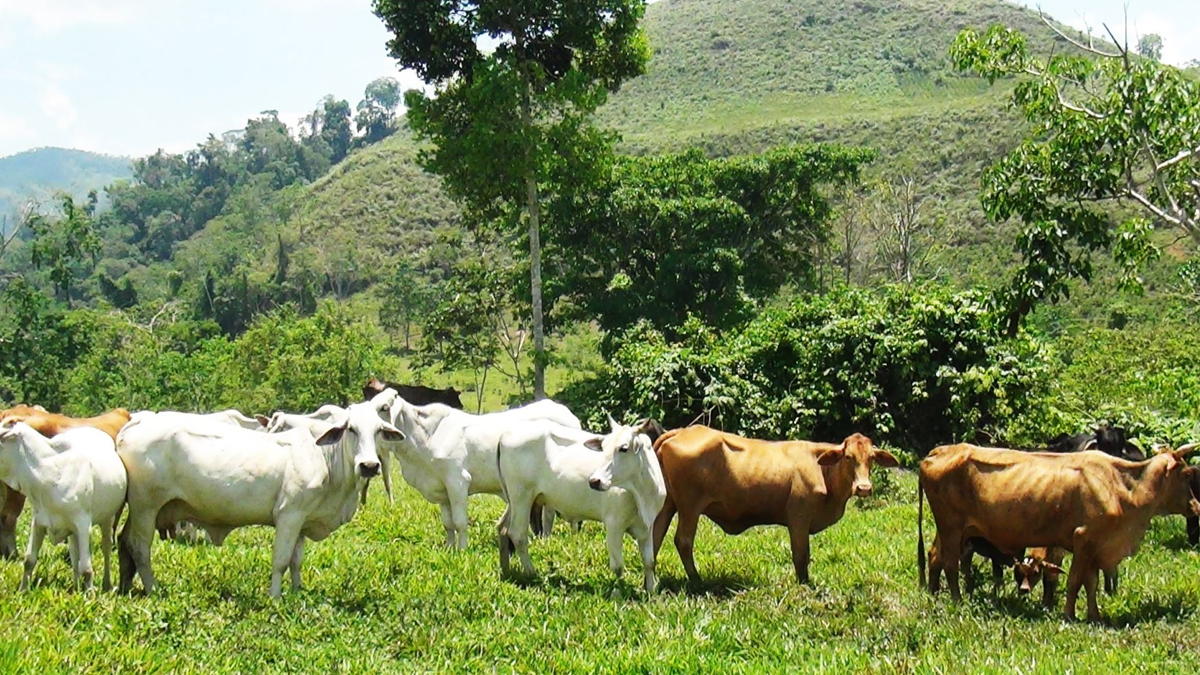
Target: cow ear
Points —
{"points": [[651, 428], [263, 420], [333, 436], [831, 457], [391, 433], [884, 458], [1052, 567], [595, 443]]}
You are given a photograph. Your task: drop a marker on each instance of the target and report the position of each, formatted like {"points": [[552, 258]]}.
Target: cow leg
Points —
{"points": [[83, 544], [518, 528], [1074, 582], [646, 549], [966, 562], [502, 540], [662, 523], [685, 536], [547, 522], [287, 535], [537, 514], [134, 548], [951, 553], [448, 524], [458, 511], [106, 541], [1193, 530], [935, 567], [1090, 582], [36, 534], [1049, 587], [13, 503], [294, 565], [1110, 581], [800, 549]]}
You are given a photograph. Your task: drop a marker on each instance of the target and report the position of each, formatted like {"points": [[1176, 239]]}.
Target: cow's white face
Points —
{"points": [[622, 448], [365, 424]]}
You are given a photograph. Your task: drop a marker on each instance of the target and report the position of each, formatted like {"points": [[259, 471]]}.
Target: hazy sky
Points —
{"points": [[129, 76]]}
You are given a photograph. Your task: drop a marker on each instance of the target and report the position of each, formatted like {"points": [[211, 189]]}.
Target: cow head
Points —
{"points": [[1178, 482], [854, 456], [364, 426], [373, 388], [1028, 572], [626, 449]]}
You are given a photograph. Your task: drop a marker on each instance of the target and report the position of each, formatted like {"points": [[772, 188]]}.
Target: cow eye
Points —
{"points": [[623, 448]]}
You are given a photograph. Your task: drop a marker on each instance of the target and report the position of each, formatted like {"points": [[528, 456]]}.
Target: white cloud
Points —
{"points": [[54, 15], [56, 105]]}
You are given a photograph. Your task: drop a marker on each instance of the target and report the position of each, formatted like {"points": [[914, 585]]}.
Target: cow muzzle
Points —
{"points": [[597, 485], [368, 469], [862, 490]]}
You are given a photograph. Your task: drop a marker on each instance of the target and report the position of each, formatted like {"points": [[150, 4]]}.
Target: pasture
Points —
{"points": [[383, 595]]}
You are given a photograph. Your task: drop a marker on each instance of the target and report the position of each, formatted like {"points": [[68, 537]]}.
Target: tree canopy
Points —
{"points": [[1112, 154]]}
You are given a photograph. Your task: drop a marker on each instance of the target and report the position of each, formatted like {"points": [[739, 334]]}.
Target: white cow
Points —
{"points": [[222, 478], [317, 423], [74, 480], [229, 417], [613, 479], [450, 454]]}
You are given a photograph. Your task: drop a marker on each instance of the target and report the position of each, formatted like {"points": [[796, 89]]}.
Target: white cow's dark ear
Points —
{"points": [[332, 436], [391, 433], [263, 420], [596, 444]]}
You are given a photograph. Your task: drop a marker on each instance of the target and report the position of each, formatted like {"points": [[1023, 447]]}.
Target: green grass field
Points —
{"points": [[383, 595]]}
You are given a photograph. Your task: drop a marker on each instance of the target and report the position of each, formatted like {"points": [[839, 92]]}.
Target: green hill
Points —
{"points": [[39, 173], [730, 76]]}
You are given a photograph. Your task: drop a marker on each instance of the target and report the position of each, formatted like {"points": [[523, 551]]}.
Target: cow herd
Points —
{"points": [[307, 474]]}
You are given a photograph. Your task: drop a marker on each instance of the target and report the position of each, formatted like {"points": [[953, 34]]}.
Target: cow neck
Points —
{"points": [[30, 451], [340, 465], [420, 423], [1144, 483], [649, 481]]}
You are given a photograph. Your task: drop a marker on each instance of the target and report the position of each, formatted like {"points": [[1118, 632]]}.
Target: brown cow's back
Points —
{"points": [[51, 424], [737, 482]]}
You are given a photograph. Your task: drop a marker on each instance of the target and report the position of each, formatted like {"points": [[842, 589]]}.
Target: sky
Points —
{"points": [[127, 77]]}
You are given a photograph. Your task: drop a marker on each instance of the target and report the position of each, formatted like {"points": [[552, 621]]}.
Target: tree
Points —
{"points": [[475, 323], [1151, 46], [376, 118], [665, 238], [902, 236], [500, 121], [64, 245], [328, 125], [849, 229], [408, 296], [1111, 134]]}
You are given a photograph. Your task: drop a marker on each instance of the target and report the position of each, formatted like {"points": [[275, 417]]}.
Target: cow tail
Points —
{"points": [[920, 531], [502, 527]]}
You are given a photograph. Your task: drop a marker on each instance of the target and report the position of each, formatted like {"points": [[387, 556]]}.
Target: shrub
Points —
{"points": [[911, 366]]}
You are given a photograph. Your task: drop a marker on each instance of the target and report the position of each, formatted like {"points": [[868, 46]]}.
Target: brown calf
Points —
{"points": [[1094, 505], [49, 425], [740, 482]]}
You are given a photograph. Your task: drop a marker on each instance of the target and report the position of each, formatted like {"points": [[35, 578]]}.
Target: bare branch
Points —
{"points": [[1124, 49], [1062, 100], [1141, 199], [1183, 154], [1077, 43]]}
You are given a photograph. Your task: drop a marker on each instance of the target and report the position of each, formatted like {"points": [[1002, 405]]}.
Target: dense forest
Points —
{"points": [[789, 220]]}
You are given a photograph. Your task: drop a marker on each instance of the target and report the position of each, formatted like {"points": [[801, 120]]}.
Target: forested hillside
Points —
{"points": [[38, 174]]}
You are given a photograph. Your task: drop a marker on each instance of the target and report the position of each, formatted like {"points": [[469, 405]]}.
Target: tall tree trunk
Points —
{"points": [[535, 283]]}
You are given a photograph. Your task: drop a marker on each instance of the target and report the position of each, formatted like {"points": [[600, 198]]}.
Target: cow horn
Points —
{"points": [[612, 423], [1091, 445], [1184, 450]]}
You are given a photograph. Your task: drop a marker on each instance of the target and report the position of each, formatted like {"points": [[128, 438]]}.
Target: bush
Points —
{"points": [[910, 366]]}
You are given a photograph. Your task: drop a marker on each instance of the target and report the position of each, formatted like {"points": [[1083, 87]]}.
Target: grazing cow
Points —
{"points": [[451, 454], [613, 479], [317, 423], [1040, 565], [222, 477], [740, 482], [1094, 505], [74, 480], [1107, 439], [49, 425], [415, 393]]}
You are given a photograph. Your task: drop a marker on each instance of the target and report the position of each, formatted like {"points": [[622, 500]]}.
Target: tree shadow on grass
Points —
{"points": [[1174, 607], [1176, 540]]}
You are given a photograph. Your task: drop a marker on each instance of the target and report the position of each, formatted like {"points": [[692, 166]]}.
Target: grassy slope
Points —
{"points": [[383, 596]]}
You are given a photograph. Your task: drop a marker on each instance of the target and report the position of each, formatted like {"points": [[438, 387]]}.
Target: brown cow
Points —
{"points": [[1089, 503], [740, 482], [49, 425]]}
